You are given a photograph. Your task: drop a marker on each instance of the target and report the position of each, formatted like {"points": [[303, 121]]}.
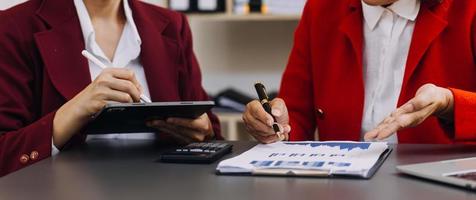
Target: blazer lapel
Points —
{"points": [[429, 25], [351, 27], [61, 46], [159, 54]]}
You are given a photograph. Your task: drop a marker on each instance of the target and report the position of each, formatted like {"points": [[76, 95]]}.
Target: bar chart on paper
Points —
{"points": [[344, 158], [342, 145]]}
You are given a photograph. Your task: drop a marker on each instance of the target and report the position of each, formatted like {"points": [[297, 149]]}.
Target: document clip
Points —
{"points": [[292, 172]]}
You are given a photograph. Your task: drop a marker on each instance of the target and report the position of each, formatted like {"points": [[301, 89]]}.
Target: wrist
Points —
{"points": [[446, 112], [68, 120]]}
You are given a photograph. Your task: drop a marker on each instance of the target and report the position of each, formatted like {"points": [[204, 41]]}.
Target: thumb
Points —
{"points": [[279, 111]]}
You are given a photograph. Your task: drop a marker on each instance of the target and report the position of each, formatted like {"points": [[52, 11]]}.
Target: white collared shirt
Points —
{"points": [[126, 56], [387, 37]]}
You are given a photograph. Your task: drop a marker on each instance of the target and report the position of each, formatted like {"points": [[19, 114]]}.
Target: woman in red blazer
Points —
{"points": [[323, 85], [46, 89]]}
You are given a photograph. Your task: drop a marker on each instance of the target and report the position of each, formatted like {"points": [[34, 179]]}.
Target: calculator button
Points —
{"points": [[204, 152], [196, 150]]}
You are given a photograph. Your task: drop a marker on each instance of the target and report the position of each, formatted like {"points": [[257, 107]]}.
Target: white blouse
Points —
{"points": [[387, 37]]}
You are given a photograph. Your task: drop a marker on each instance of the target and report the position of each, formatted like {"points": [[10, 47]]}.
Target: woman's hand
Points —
{"points": [[429, 100], [112, 85], [259, 123], [185, 130]]}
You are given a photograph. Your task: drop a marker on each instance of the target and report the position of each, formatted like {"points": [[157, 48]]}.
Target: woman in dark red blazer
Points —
{"points": [[46, 92], [323, 85]]}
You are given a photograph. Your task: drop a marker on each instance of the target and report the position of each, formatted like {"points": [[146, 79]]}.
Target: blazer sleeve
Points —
{"points": [[296, 86], [465, 106], [464, 115], [190, 83], [25, 136]]}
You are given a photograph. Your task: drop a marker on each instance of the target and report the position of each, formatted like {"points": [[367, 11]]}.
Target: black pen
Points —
{"points": [[264, 100]]}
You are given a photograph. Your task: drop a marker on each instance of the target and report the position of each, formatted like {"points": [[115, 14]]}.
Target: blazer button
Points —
{"points": [[34, 155], [320, 113], [24, 159]]}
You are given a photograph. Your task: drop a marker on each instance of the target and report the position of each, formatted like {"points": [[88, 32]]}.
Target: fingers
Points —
{"points": [[371, 135], [269, 137], [256, 125], [194, 130], [422, 101], [259, 123], [180, 133], [202, 123], [279, 110], [256, 111], [406, 108], [116, 96], [124, 74], [410, 114], [420, 116], [198, 129], [121, 80], [386, 129], [390, 125], [127, 87], [256, 118], [160, 126], [266, 138]]}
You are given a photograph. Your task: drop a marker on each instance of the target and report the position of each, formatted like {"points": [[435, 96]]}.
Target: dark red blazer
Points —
{"points": [[323, 84], [41, 67]]}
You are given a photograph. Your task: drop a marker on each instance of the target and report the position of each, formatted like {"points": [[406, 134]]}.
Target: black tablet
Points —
{"points": [[132, 117]]}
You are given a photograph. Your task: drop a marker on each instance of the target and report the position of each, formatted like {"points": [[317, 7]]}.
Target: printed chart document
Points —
{"points": [[311, 158]]}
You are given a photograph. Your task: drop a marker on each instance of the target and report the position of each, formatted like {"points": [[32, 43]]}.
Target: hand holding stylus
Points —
{"points": [[93, 59], [113, 84]]}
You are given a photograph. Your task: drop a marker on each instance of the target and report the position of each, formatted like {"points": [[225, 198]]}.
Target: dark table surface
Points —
{"points": [[122, 169]]}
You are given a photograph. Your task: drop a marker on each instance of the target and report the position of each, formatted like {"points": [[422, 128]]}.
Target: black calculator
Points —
{"points": [[198, 152]]}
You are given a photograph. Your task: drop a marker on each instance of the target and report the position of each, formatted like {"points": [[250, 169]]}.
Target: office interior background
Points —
{"points": [[236, 47]]}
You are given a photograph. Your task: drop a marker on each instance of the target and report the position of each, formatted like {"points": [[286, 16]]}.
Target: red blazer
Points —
{"points": [[42, 67], [323, 84], [465, 114]]}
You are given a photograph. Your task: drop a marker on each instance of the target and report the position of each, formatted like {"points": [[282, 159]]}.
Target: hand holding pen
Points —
{"points": [[93, 59], [267, 121]]}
